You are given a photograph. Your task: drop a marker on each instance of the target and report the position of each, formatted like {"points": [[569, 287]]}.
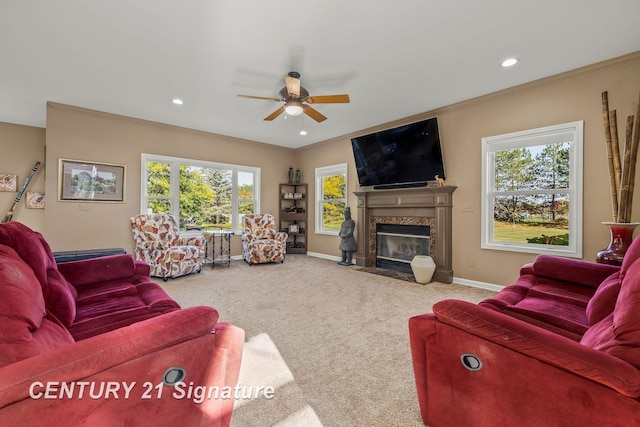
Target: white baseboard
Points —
{"points": [[465, 282], [324, 256], [476, 284]]}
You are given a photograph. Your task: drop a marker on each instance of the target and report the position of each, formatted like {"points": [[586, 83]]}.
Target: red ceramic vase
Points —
{"points": [[621, 238]]}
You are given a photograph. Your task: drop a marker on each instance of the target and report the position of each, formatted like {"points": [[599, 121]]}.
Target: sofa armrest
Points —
{"points": [[576, 271], [137, 355], [541, 344], [96, 270], [281, 236]]}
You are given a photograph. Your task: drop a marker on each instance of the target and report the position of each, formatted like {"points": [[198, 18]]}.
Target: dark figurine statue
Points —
{"points": [[348, 243]]}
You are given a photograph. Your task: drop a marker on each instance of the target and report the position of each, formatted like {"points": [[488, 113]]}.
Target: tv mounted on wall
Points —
{"points": [[404, 156]]}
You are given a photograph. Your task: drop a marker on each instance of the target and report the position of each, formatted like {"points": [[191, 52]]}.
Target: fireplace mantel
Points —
{"points": [[407, 206]]}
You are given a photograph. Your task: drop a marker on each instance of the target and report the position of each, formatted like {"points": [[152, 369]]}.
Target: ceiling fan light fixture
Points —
{"points": [[294, 108]]}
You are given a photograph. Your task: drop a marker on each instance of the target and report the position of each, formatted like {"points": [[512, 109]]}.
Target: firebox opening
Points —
{"points": [[397, 244]]}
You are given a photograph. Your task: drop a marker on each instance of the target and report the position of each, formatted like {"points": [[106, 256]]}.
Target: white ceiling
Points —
{"points": [[394, 58]]}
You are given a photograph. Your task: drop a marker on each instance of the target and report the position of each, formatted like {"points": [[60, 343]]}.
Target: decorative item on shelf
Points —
{"points": [[423, 268], [292, 209], [621, 182], [297, 176], [291, 175], [294, 228]]}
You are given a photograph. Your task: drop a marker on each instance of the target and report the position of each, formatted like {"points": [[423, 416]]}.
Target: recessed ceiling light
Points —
{"points": [[177, 101], [509, 62]]}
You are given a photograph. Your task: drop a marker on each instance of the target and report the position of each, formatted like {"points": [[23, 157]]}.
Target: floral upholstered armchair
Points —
{"points": [[159, 244], [261, 241]]}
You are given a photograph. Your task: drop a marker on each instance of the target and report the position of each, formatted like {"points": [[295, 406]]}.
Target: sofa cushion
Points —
{"points": [[31, 246], [22, 303], [619, 332], [27, 328], [553, 305], [604, 299]]}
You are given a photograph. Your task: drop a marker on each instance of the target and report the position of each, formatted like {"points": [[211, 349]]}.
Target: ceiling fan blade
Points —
{"points": [[314, 114], [293, 86], [259, 97], [275, 114], [328, 99]]}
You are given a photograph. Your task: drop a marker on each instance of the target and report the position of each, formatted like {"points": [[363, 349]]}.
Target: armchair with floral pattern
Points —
{"points": [[159, 244], [261, 241]]}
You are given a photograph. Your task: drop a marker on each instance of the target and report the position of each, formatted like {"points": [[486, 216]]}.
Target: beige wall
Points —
{"points": [[82, 134], [76, 133], [564, 98], [20, 148]]}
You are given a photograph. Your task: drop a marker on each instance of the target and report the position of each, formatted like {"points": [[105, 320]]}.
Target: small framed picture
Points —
{"points": [[34, 200], [8, 182], [293, 228]]}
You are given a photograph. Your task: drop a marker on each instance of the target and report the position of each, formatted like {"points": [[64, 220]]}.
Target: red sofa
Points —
{"points": [[559, 347], [96, 342]]}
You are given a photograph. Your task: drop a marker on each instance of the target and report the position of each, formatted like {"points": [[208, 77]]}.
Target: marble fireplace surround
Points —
{"points": [[430, 206]]}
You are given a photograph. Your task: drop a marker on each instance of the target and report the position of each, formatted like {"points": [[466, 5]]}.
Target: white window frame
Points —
{"points": [[321, 172], [174, 195], [569, 132]]}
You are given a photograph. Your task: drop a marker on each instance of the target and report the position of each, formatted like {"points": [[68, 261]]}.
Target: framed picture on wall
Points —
{"points": [[8, 182], [34, 200], [84, 181]]}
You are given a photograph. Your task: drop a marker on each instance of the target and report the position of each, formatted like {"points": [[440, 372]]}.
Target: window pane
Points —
{"points": [[196, 198], [533, 167], [332, 215], [534, 219], [217, 210], [246, 208], [245, 183], [333, 187], [158, 179], [158, 206]]}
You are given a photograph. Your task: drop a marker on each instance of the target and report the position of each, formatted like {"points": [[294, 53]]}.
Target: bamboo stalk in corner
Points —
{"points": [[607, 140], [626, 178], [636, 142], [615, 148]]}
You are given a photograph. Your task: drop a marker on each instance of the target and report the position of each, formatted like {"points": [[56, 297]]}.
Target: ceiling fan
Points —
{"points": [[296, 99]]}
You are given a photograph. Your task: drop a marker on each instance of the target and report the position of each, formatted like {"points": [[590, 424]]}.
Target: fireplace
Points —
{"points": [[397, 244], [427, 209]]}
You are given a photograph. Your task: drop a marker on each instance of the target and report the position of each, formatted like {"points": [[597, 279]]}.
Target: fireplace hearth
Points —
{"points": [[426, 209]]}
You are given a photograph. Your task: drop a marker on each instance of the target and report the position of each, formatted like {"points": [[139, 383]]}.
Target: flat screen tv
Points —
{"points": [[405, 156]]}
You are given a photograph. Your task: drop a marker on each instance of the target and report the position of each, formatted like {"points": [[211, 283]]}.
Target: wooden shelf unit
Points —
{"points": [[294, 196]]}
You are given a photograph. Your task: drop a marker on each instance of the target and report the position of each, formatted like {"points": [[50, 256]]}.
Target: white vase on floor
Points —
{"points": [[423, 268]]}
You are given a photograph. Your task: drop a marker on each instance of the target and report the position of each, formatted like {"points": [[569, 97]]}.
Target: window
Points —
{"points": [[201, 195], [331, 198], [532, 191]]}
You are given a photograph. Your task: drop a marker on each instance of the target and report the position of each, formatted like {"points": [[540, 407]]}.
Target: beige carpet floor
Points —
{"points": [[332, 340]]}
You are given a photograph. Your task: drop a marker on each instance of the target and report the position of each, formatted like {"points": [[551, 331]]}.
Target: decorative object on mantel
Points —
{"points": [[423, 268], [621, 182], [439, 180]]}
